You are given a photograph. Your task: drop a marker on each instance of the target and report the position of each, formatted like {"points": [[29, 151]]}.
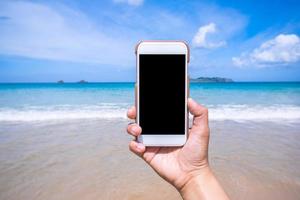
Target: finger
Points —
{"points": [[199, 112], [200, 120], [150, 153], [137, 148], [134, 129], [196, 109], [131, 113]]}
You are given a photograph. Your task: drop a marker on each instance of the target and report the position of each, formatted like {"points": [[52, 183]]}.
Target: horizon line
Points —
{"points": [[92, 82]]}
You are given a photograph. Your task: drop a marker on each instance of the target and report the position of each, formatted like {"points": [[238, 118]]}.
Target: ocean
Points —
{"points": [[69, 141], [226, 101]]}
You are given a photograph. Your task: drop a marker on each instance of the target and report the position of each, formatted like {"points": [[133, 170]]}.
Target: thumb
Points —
{"points": [[200, 120]]}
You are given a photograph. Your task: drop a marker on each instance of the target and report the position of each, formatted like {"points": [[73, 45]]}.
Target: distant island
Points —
{"points": [[62, 82], [192, 80], [211, 80], [82, 81]]}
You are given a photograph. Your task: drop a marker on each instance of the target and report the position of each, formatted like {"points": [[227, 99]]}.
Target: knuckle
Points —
{"points": [[129, 128], [128, 112], [130, 146]]}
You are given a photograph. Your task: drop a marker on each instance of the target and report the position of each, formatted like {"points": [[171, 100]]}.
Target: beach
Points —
{"points": [[70, 142]]}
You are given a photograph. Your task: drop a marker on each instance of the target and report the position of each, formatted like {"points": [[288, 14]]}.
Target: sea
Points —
{"points": [[258, 101]]}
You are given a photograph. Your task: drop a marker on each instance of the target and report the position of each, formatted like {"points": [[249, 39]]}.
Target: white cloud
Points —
{"points": [[57, 32], [130, 2], [281, 50], [202, 40], [40, 31]]}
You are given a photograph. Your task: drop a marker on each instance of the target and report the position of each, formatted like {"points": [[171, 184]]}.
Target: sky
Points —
{"points": [[71, 40]]}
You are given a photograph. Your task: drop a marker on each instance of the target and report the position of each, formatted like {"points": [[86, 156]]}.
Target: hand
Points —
{"points": [[177, 165]]}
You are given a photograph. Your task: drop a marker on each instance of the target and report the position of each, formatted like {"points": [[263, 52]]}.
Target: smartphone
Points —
{"points": [[162, 92]]}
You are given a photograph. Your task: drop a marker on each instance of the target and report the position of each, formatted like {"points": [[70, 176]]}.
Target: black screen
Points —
{"points": [[162, 94]]}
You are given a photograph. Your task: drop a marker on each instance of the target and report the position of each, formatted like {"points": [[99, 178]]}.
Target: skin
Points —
{"points": [[186, 167]]}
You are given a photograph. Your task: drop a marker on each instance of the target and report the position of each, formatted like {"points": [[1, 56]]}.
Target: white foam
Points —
{"points": [[255, 113], [279, 113], [65, 112]]}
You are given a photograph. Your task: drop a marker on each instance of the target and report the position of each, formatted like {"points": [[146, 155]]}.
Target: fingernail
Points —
{"points": [[140, 146]]}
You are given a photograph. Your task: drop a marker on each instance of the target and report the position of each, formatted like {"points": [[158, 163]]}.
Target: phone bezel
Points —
{"points": [[162, 47]]}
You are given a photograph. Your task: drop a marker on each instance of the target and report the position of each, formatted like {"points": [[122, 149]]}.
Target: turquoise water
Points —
{"points": [[233, 101]]}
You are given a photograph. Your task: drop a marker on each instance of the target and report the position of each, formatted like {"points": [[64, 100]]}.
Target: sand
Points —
{"points": [[89, 159]]}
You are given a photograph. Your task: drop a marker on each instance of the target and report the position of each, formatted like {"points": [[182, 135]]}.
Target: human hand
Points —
{"points": [[177, 165]]}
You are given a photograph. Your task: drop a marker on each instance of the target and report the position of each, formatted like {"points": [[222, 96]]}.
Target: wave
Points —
{"points": [[64, 112], [279, 113], [255, 112]]}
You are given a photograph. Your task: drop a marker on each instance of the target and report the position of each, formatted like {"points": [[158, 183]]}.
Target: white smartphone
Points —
{"points": [[162, 89]]}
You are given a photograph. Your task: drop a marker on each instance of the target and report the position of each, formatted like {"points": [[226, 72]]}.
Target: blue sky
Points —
{"points": [[44, 41]]}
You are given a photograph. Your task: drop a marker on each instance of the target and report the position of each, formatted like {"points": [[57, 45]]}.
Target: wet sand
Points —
{"points": [[90, 160]]}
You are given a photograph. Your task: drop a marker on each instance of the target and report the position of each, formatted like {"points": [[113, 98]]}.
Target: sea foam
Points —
{"points": [[279, 113]]}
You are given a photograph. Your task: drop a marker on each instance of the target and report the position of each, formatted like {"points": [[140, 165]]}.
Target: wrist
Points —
{"points": [[203, 186], [195, 183]]}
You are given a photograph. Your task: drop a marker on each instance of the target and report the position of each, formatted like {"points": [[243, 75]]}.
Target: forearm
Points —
{"points": [[204, 186]]}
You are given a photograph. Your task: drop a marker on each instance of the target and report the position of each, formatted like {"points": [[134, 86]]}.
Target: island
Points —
{"points": [[211, 80], [82, 81], [60, 82]]}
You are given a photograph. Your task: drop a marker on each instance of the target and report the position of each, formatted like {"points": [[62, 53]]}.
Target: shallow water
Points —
{"points": [[89, 159], [226, 101]]}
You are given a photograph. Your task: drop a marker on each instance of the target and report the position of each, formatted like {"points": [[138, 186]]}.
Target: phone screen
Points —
{"points": [[162, 94]]}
